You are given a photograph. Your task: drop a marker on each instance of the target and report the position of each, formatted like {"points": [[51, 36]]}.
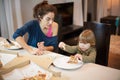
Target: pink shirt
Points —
{"points": [[49, 33]]}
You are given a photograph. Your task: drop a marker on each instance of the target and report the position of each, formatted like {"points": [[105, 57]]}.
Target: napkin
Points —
{"points": [[15, 63], [43, 61]]}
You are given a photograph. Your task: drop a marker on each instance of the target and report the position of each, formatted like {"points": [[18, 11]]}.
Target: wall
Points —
{"points": [[92, 9], [27, 6], [23, 10], [115, 7]]}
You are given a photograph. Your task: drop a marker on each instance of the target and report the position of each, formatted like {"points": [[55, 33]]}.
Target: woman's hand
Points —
{"points": [[78, 56], [37, 52], [41, 46], [40, 50], [62, 45]]}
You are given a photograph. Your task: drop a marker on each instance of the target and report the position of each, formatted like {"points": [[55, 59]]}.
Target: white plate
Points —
{"points": [[15, 47], [6, 45], [62, 62]]}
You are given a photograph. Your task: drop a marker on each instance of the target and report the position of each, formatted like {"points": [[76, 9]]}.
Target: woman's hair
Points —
{"points": [[42, 9], [87, 36]]}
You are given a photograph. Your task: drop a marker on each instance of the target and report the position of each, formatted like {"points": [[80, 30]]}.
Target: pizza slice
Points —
{"points": [[39, 76], [73, 60]]}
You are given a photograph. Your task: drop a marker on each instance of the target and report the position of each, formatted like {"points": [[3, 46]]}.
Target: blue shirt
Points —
{"points": [[35, 34]]}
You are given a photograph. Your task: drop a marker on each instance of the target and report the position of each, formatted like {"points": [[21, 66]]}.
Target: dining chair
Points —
{"points": [[102, 35]]}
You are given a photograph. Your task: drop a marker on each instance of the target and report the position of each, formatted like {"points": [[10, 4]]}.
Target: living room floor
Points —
{"points": [[114, 61]]}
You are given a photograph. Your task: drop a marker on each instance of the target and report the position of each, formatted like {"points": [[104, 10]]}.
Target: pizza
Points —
{"points": [[7, 45], [39, 76], [73, 60]]}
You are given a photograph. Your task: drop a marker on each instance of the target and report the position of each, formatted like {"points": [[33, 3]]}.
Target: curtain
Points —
{"points": [[3, 20], [85, 3], [10, 17], [78, 14], [115, 7], [101, 9]]}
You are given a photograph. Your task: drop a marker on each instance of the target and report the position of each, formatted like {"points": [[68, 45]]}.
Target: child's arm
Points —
{"points": [[67, 48], [62, 45]]}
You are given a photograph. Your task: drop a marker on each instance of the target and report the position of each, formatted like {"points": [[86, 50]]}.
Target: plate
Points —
{"points": [[62, 62], [16, 46], [6, 45]]}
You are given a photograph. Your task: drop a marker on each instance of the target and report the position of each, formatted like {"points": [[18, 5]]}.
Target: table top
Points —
{"points": [[89, 71]]}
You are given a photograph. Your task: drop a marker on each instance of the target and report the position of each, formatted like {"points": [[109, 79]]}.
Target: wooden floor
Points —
{"points": [[114, 61]]}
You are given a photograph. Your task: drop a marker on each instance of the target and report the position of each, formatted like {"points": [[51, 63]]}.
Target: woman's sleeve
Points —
{"points": [[54, 41], [22, 30]]}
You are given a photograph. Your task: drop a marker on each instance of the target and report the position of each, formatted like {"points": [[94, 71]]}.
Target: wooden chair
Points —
{"points": [[102, 35]]}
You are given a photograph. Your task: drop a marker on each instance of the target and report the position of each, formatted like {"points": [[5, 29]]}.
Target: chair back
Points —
{"points": [[58, 19], [102, 35]]}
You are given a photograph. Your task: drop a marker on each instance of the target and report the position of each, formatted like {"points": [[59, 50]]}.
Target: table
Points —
{"points": [[89, 71]]}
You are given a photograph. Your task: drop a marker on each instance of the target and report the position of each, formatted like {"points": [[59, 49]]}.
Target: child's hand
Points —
{"points": [[62, 45], [78, 56]]}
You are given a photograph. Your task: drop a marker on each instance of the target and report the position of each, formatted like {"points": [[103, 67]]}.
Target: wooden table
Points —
{"points": [[89, 71]]}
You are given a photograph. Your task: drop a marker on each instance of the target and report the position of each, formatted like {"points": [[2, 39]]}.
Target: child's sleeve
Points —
{"points": [[70, 49], [90, 58]]}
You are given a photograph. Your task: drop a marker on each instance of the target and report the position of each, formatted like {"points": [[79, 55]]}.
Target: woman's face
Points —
{"points": [[47, 20], [84, 46]]}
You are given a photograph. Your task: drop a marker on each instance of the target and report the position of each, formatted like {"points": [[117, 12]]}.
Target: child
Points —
{"points": [[85, 50]]}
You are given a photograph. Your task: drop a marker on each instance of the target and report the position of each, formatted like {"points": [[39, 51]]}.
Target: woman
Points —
{"points": [[42, 31], [85, 50]]}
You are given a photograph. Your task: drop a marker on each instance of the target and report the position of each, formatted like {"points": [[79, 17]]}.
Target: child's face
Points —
{"points": [[84, 46]]}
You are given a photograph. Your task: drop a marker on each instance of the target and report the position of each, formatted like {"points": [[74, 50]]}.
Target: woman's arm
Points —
{"points": [[41, 47], [49, 48], [55, 28], [22, 42]]}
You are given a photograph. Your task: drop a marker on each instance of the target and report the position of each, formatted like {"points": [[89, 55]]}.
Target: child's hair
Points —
{"points": [[87, 36]]}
